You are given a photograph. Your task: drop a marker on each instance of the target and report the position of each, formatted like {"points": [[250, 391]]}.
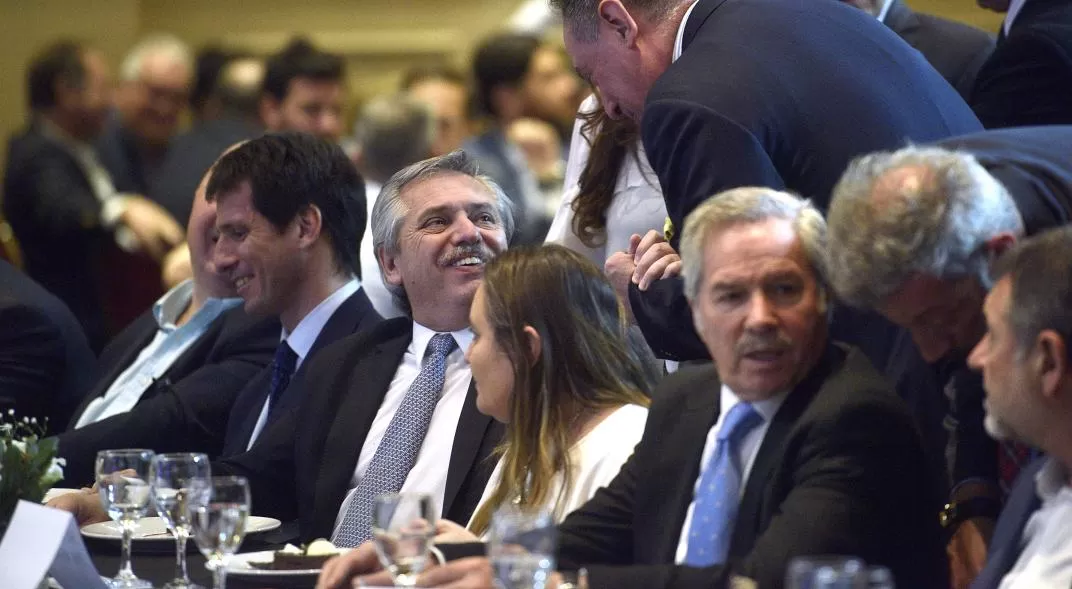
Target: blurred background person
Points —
{"points": [[304, 90], [446, 92], [154, 85], [551, 360], [59, 198], [393, 132]]}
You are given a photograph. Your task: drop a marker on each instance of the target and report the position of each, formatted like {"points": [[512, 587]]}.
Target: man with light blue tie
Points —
{"points": [[790, 445]]}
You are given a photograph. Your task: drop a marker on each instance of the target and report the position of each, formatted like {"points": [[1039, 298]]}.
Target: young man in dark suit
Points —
{"points": [[790, 445], [775, 93], [1027, 373], [1028, 78], [912, 234]]}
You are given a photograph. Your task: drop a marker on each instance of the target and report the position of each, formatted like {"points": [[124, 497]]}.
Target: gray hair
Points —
{"points": [[394, 132], [389, 211], [155, 44], [751, 205], [1041, 275], [916, 210], [581, 17]]}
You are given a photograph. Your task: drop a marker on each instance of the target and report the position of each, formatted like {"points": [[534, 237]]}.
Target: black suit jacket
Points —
{"points": [[56, 218], [955, 49], [354, 315], [1028, 78], [186, 409], [1005, 545], [189, 157], [783, 94], [301, 465], [126, 164], [841, 470], [45, 360]]}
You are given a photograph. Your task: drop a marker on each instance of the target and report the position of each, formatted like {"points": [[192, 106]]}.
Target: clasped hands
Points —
{"points": [[648, 259]]}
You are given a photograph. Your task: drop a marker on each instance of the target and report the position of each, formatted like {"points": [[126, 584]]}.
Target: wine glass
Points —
{"points": [[521, 547], [175, 479], [218, 522], [403, 526], [122, 477]]}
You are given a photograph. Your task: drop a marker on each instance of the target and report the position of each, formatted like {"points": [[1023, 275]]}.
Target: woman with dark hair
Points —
{"points": [[551, 359], [610, 191]]}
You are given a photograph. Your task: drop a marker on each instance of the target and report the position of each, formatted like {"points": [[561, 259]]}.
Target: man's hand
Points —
{"points": [[156, 231], [337, 572], [967, 551], [466, 573], [85, 505], [654, 259], [176, 267], [448, 532], [619, 269]]}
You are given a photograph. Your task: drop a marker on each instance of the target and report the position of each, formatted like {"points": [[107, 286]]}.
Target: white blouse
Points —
{"points": [[596, 459], [637, 206]]}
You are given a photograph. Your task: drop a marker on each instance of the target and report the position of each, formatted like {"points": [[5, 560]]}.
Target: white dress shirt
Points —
{"points": [[169, 343], [1014, 10], [304, 336], [371, 277], [746, 451], [1046, 559], [637, 207], [679, 40], [429, 472]]}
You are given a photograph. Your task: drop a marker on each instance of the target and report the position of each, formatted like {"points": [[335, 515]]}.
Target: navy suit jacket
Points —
{"points": [[354, 315], [955, 49], [186, 409], [45, 360], [1005, 546], [1028, 78], [783, 94]]}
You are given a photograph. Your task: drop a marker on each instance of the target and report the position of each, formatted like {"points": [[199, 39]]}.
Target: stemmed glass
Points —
{"points": [[826, 572], [175, 479], [123, 480], [218, 521], [521, 547], [403, 527]]}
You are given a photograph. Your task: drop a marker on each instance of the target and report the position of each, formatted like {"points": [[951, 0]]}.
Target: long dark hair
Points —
{"points": [[611, 141], [585, 365]]}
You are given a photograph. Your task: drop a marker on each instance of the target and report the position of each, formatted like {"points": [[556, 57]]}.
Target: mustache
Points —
{"points": [[752, 343], [467, 251]]}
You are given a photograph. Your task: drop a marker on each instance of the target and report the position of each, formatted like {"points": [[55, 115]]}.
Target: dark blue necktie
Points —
{"points": [[282, 369]]}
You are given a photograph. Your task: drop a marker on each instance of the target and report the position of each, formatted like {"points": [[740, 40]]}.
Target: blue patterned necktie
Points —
{"points": [[715, 509], [282, 369], [400, 444]]}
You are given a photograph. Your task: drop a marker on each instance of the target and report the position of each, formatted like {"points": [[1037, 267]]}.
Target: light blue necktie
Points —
{"points": [[715, 503], [400, 444]]}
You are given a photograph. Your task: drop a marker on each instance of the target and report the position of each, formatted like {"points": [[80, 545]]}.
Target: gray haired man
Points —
{"points": [[913, 234]]}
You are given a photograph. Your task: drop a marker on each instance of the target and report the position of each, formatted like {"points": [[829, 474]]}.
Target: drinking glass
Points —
{"points": [[123, 480], [403, 526], [826, 572], [879, 578], [218, 522], [175, 479], [521, 547]]}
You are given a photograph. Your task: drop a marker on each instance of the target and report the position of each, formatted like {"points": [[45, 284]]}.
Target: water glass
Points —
{"points": [[218, 516], [827, 572], [521, 547], [403, 527], [175, 479], [123, 481]]}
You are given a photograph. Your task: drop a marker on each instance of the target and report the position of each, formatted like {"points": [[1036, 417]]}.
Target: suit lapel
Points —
{"points": [[702, 11], [768, 459], [468, 438], [362, 392], [141, 332]]}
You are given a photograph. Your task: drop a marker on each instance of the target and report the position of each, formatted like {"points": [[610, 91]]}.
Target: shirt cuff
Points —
{"points": [[113, 208]]}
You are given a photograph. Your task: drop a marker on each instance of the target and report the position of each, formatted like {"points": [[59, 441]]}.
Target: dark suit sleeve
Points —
{"points": [[61, 202], [696, 153], [185, 416], [32, 357], [1026, 82], [270, 468]]}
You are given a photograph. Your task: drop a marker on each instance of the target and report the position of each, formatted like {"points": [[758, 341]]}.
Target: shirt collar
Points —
{"points": [[679, 41], [422, 336], [766, 408], [885, 10], [1014, 9], [80, 149], [1050, 479], [303, 337], [173, 304]]}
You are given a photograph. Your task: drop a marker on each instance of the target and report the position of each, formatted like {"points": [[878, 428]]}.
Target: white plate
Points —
{"points": [[153, 529], [239, 566], [56, 492]]}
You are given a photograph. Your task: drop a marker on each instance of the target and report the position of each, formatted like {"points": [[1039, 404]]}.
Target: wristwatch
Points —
{"points": [[956, 512]]}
